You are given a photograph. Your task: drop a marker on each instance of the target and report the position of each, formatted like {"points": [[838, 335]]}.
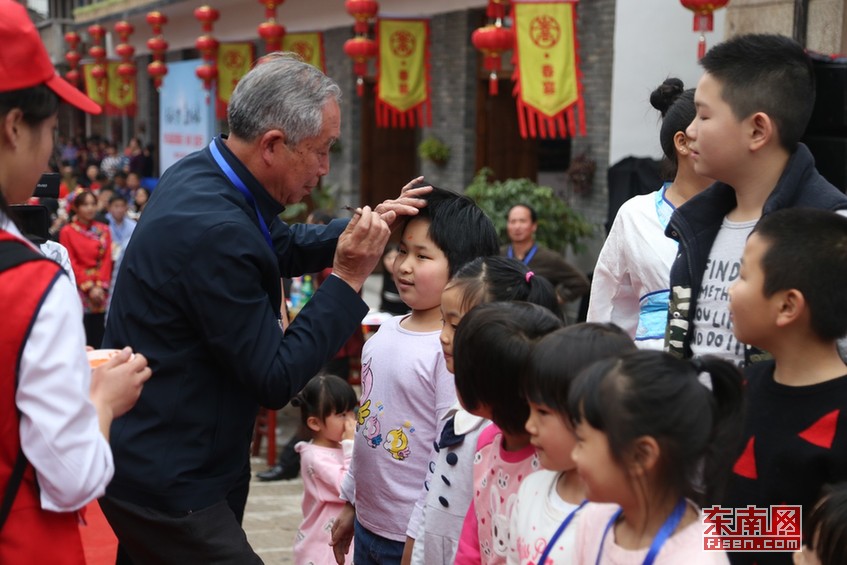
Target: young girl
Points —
{"points": [[327, 405], [492, 347], [543, 526], [441, 509], [655, 442]]}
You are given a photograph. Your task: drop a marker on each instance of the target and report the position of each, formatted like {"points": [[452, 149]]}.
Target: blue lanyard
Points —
{"points": [[511, 255], [558, 533], [242, 188], [661, 536]]}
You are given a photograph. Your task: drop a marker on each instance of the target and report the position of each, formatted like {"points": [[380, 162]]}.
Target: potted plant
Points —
{"points": [[559, 225], [435, 150]]}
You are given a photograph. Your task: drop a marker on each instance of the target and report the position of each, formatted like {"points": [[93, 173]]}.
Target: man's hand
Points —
{"points": [[342, 533], [407, 204], [116, 386], [360, 247]]}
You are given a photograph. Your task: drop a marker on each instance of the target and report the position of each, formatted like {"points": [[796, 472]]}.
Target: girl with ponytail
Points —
{"points": [[630, 282], [657, 444]]}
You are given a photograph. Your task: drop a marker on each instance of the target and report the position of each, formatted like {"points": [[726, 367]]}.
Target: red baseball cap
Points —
{"points": [[24, 62]]}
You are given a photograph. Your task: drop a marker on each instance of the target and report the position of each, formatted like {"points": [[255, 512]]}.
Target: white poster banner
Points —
{"points": [[186, 113]]}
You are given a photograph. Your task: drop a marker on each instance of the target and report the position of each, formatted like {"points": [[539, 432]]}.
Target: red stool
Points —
{"points": [[265, 427]]}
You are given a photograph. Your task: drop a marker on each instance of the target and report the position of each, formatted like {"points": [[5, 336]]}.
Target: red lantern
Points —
{"points": [[97, 32], [363, 11], [207, 16], [97, 52], [207, 45], [124, 29], [125, 50], [98, 72], [272, 33], [704, 19], [73, 58], [156, 21], [157, 45], [270, 7], [72, 39], [496, 9], [360, 49], [493, 40], [207, 73], [157, 70], [126, 71]]}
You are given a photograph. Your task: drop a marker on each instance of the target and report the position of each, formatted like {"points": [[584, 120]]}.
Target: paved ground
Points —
{"points": [[273, 509]]}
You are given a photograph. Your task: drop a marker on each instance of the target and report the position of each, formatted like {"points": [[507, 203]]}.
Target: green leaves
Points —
{"points": [[559, 225]]}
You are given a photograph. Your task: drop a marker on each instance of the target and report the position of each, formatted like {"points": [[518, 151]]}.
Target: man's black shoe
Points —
{"points": [[278, 473]]}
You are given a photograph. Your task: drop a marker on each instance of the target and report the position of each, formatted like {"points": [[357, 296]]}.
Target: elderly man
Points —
{"points": [[200, 297]]}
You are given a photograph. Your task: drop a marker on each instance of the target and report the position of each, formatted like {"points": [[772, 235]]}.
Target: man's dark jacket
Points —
{"points": [[198, 293]]}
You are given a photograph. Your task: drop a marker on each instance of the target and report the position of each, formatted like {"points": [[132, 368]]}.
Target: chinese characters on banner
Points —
{"points": [[547, 75], [115, 95], [186, 121], [234, 60], [309, 45], [403, 84]]}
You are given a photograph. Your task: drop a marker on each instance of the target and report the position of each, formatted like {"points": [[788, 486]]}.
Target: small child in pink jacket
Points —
{"points": [[327, 406]]}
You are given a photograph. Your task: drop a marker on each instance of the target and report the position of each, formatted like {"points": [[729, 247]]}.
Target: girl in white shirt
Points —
{"points": [[544, 520]]}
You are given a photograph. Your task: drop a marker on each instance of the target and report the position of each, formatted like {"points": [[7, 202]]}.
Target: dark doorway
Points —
{"points": [[388, 155]]}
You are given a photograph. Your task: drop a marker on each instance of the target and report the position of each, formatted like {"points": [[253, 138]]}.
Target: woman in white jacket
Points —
{"points": [[631, 278]]}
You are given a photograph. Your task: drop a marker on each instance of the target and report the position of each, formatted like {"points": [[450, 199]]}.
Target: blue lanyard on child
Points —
{"points": [[242, 188], [511, 254], [662, 536], [559, 532]]}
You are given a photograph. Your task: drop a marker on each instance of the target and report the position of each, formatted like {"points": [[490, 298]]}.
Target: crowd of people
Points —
{"points": [[488, 429]]}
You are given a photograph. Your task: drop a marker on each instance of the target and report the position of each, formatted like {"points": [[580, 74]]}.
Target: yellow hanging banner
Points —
{"points": [[234, 60], [121, 96], [403, 83], [115, 94], [547, 76], [96, 92], [309, 45]]}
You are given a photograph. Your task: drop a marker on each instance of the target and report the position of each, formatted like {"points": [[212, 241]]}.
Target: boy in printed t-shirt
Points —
{"points": [[753, 103], [789, 300], [406, 387]]}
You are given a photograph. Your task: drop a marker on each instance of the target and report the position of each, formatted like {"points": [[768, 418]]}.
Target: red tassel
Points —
{"points": [[360, 87], [701, 46], [493, 84]]}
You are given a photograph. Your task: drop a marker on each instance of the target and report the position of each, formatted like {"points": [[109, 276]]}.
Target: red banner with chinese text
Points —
{"points": [[403, 83], [309, 45], [234, 60], [548, 85], [115, 95]]}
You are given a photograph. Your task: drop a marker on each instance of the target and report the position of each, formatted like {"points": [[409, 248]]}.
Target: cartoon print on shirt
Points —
{"points": [[500, 534], [365, 402], [370, 431], [502, 479], [397, 443]]}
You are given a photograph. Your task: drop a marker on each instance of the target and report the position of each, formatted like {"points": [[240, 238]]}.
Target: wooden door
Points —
{"points": [[388, 155], [499, 143]]}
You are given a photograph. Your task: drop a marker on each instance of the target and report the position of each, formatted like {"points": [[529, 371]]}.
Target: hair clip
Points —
{"points": [[529, 275]]}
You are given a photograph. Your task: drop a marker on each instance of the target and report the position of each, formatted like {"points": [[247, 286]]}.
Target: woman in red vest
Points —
{"points": [[55, 413]]}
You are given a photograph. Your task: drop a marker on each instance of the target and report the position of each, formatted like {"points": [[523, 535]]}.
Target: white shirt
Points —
{"points": [[60, 432], [630, 282], [712, 326], [537, 515]]}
